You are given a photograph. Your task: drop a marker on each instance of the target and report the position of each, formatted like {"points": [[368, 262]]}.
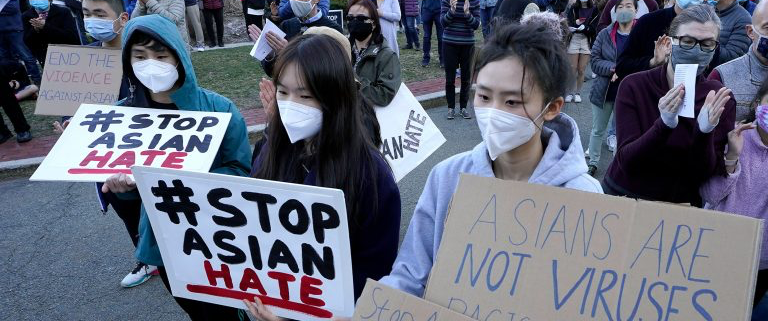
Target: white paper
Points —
{"points": [[255, 12], [261, 49], [3, 3], [408, 134], [213, 199], [686, 74]]}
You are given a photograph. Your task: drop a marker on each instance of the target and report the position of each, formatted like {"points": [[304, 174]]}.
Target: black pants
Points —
{"points": [[11, 108], [457, 56], [210, 15], [128, 210], [198, 310], [761, 286], [251, 19]]}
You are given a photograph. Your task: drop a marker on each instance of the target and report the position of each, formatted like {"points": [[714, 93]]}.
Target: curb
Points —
{"points": [[425, 100]]}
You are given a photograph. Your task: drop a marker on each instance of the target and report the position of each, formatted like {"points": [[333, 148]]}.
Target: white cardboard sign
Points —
{"points": [[408, 134], [103, 140], [227, 238]]}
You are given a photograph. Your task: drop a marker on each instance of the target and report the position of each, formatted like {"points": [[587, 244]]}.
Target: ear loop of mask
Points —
{"points": [[113, 25], [522, 100]]}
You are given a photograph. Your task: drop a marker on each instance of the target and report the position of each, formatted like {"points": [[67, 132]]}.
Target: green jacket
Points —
{"points": [[378, 71], [234, 155]]}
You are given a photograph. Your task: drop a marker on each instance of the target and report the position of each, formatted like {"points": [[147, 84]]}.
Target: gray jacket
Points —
{"points": [[603, 60], [734, 41]]}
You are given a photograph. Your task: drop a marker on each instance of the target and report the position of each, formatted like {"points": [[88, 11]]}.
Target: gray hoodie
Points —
{"points": [[562, 165]]}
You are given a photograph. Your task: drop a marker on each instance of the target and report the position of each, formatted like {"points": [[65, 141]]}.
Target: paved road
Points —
{"points": [[63, 260]]}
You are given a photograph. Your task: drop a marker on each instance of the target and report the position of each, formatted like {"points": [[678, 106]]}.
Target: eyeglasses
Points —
{"points": [[359, 18], [687, 42]]}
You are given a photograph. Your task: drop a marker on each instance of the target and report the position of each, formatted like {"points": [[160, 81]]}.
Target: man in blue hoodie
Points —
{"points": [[152, 50], [12, 39]]}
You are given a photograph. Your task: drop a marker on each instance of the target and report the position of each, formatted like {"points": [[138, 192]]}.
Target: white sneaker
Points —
{"points": [[594, 75], [568, 98], [577, 98], [586, 153], [140, 274], [611, 142]]}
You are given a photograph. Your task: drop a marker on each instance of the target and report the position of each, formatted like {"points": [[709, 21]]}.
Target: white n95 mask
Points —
{"points": [[503, 131], [300, 121], [156, 75]]}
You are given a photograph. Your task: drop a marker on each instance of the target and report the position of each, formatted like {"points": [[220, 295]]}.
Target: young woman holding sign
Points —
{"points": [[317, 138], [519, 74]]}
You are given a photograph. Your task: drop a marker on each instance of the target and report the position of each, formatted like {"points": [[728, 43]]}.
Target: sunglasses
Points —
{"points": [[359, 18]]}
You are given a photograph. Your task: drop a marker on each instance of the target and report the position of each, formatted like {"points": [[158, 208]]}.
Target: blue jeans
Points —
{"points": [[12, 47], [411, 36], [600, 117], [428, 18], [612, 126], [486, 15]]}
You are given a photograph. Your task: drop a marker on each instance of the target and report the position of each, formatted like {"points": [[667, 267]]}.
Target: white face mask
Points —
{"points": [[300, 121], [156, 75], [503, 131]]}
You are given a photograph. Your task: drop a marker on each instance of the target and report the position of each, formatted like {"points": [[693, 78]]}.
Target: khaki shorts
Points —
{"points": [[579, 45]]}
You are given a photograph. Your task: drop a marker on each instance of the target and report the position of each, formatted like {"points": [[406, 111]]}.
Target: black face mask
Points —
{"points": [[360, 30]]}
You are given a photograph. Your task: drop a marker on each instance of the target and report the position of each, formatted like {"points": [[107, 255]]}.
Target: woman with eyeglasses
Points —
{"points": [[377, 67], [662, 155]]}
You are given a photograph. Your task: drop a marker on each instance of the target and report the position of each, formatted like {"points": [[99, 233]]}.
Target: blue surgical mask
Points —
{"points": [[40, 5], [687, 3], [101, 29]]}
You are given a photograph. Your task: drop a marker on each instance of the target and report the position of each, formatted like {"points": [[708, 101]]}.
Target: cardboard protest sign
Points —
{"points": [[380, 302], [102, 140], [75, 75], [408, 135], [226, 238], [518, 251]]}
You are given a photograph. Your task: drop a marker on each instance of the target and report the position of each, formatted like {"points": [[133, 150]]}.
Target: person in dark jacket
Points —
{"points": [[411, 15], [12, 40], [377, 67], [430, 16], [460, 19], [734, 41], [662, 156], [46, 24], [609, 44], [11, 107], [292, 27], [608, 15], [582, 21], [319, 107], [214, 10], [253, 11]]}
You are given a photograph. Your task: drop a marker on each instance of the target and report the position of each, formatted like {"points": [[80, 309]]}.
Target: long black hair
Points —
{"points": [[373, 11], [537, 50], [341, 152]]}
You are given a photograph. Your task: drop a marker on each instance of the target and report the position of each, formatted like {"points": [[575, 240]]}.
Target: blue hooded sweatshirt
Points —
{"points": [[562, 165], [234, 155]]}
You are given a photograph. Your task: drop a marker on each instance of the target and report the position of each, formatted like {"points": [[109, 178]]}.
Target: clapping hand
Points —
{"points": [[713, 108], [669, 105]]}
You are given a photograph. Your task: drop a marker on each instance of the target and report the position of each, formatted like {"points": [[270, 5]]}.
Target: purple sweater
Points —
{"points": [[743, 192], [658, 163]]}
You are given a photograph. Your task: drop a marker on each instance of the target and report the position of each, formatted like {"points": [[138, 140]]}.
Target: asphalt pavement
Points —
{"points": [[63, 260]]}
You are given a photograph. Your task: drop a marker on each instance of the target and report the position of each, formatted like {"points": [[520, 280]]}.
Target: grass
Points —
{"points": [[235, 74]]}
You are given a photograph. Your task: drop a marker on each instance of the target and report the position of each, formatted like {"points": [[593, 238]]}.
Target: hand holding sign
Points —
{"points": [[118, 183]]}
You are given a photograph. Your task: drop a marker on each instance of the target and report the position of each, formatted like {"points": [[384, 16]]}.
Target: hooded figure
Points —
{"points": [[561, 165], [234, 154]]}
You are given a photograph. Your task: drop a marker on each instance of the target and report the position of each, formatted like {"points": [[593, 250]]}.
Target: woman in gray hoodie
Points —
{"points": [[521, 75]]}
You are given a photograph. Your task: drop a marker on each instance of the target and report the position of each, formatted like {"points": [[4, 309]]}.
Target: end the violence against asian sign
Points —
{"points": [[102, 140], [517, 251], [76, 75], [226, 238]]}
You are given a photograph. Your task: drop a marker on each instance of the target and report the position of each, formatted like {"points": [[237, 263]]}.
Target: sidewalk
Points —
{"points": [[14, 155]]}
